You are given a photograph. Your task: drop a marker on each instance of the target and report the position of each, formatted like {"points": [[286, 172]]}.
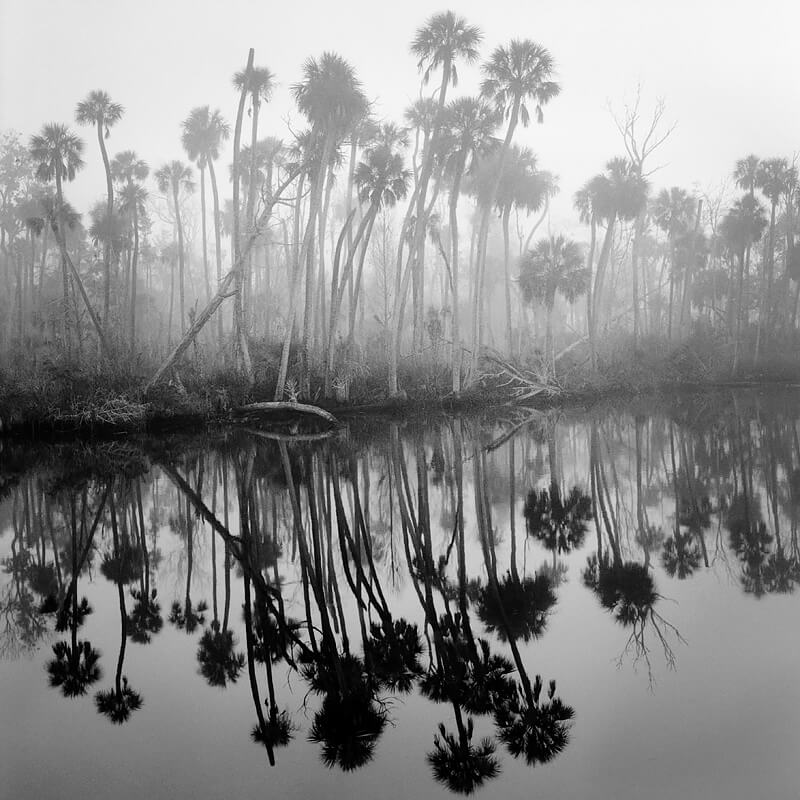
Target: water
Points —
{"points": [[643, 558]]}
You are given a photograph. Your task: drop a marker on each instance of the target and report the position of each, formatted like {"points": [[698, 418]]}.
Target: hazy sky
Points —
{"points": [[728, 70]]}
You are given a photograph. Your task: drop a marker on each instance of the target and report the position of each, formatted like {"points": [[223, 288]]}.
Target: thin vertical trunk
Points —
{"points": [[109, 212], [240, 334]]}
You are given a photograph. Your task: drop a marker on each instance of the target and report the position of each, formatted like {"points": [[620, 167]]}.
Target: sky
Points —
{"points": [[727, 71]]}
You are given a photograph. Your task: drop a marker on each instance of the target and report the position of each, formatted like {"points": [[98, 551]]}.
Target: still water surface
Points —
{"points": [[595, 605]]}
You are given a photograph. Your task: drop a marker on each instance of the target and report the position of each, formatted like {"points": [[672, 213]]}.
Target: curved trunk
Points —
{"points": [[357, 285]]}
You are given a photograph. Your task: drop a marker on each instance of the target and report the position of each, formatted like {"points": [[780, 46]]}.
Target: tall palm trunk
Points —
{"points": [[507, 273], [251, 198], [181, 263], [217, 238], [240, 334], [454, 262], [66, 263], [483, 237], [134, 263], [206, 278], [109, 212]]}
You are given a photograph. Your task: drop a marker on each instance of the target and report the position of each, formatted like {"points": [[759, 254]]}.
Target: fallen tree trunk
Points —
{"points": [[223, 290], [280, 406]]}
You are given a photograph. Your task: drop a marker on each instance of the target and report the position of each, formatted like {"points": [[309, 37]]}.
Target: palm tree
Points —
{"points": [[775, 177], [174, 178], [56, 152], [258, 82], [330, 97], [204, 132], [559, 521], [133, 206], [533, 726], [120, 701], [444, 39], [555, 265], [740, 228], [381, 180], [522, 186], [457, 763], [129, 171], [472, 123], [99, 110], [673, 211], [513, 76]]}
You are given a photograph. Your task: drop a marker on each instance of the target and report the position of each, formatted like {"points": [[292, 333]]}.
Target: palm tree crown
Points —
{"points": [[330, 94], [127, 167], [381, 177], [554, 265], [444, 38], [258, 82], [174, 176], [522, 70], [203, 133], [57, 152], [98, 109]]}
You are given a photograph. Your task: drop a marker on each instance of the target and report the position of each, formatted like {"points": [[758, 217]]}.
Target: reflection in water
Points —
{"points": [[303, 552]]}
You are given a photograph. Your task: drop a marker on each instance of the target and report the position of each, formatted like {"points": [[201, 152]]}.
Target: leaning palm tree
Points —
{"points": [[555, 265], [99, 110], [516, 74], [175, 178]]}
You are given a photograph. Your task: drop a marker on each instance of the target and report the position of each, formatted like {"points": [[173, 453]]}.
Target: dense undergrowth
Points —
{"points": [[59, 397]]}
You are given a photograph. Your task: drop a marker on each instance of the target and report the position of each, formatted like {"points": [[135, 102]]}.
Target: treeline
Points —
{"points": [[358, 243]]}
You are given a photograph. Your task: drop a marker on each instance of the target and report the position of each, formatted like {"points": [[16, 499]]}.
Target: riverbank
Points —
{"points": [[58, 402]]}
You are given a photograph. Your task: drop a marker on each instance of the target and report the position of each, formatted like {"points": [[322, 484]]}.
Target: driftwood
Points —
{"points": [[283, 406]]}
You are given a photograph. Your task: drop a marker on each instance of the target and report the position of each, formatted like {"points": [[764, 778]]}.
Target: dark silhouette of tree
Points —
{"points": [[458, 763], [532, 726]]}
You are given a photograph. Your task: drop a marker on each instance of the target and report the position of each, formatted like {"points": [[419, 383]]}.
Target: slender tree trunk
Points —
{"points": [[134, 263], [240, 334], [206, 278], [109, 212]]}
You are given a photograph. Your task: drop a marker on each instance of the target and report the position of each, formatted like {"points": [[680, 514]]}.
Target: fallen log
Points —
{"points": [[283, 407]]}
